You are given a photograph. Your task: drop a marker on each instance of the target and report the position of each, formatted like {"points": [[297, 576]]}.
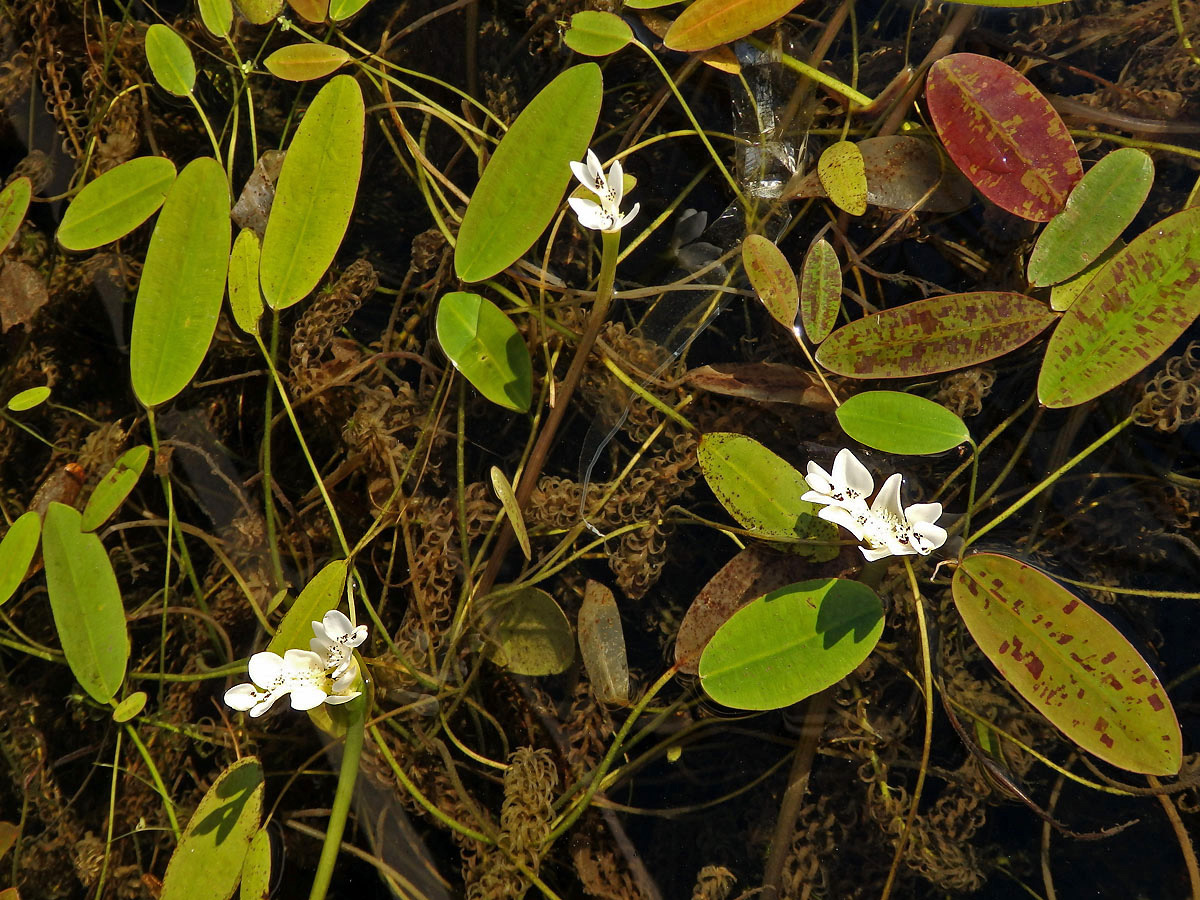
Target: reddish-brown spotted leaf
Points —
{"points": [[772, 278], [820, 291], [1003, 134], [1069, 663], [707, 23], [934, 335]]}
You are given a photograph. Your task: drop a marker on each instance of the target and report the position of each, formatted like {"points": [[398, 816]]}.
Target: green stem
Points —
{"points": [[826, 81], [351, 755], [156, 778], [265, 463]]}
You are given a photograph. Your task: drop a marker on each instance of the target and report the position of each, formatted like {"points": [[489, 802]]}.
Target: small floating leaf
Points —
{"points": [[315, 194], [114, 487], [259, 12], [1003, 134], [772, 278], [707, 23], [305, 62], [170, 60], [208, 861], [16, 553], [512, 509], [28, 398], [602, 644], [217, 16], [844, 177], [595, 33], [245, 298], [310, 10], [486, 347], [530, 634], [1069, 663], [319, 596], [14, 203], [129, 707], [183, 281], [820, 290], [934, 335], [116, 203], [524, 181], [86, 603], [901, 423], [1129, 314], [344, 9], [256, 869], [791, 643]]}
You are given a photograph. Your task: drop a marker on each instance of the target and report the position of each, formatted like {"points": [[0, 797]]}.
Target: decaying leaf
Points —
{"points": [[765, 382]]}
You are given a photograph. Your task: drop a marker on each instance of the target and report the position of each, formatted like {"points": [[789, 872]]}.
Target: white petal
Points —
{"points": [[343, 679], [817, 497], [265, 703], [818, 479], [627, 218], [873, 555], [595, 170], [322, 646], [335, 699], [927, 537], [582, 174], [265, 668], [298, 663], [923, 512], [307, 697], [888, 497], [590, 213], [242, 696], [616, 183], [849, 472], [841, 516], [335, 624]]}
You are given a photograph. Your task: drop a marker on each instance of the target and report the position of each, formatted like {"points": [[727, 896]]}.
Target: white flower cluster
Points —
{"points": [[323, 674], [884, 527], [605, 215]]}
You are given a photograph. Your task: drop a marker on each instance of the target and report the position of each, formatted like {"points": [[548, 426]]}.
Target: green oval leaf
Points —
{"points": [[183, 281], [315, 194], [761, 490], [707, 23], [344, 9], [86, 603], [530, 634], [116, 203], [245, 298], [256, 869], [217, 16], [170, 60], [1069, 663], [16, 553], [901, 423], [305, 62], [523, 183], [208, 861], [1100, 207], [602, 644], [791, 643], [319, 596], [820, 290], [1003, 134], [114, 487], [1128, 315], [844, 177], [128, 708], [595, 33], [934, 335], [259, 12], [14, 203], [483, 344], [28, 398], [772, 279]]}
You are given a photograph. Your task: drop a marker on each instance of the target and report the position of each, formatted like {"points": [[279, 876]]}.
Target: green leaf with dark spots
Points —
{"points": [[820, 290], [772, 279]]}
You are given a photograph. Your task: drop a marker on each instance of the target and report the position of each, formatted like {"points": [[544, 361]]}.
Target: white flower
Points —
{"points": [[848, 486], [324, 674], [605, 215]]}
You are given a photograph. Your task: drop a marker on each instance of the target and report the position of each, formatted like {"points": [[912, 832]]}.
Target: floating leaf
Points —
{"points": [[1133, 310], [512, 509], [217, 16], [305, 62], [934, 335], [901, 423], [844, 177], [86, 603], [208, 861], [1100, 207], [314, 11], [761, 490], [14, 203], [256, 868], [903, 172], [707, 23], [1064, 294], [259, 12], [344, 9], [16, 553], [183, 281], [524, 182], [1069, 663], [129, 708], [1003, 134], [28, 398], [772, 278], [245, 298], [8, 838], [602, 644], [791, 643], [114, 487], [820, 290], [648, 4], [753, 572], [767, 382], [170, 60], [315, 194], [116, 203], [486, 347], [595, 33], [530, 634], [319, 596]]}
